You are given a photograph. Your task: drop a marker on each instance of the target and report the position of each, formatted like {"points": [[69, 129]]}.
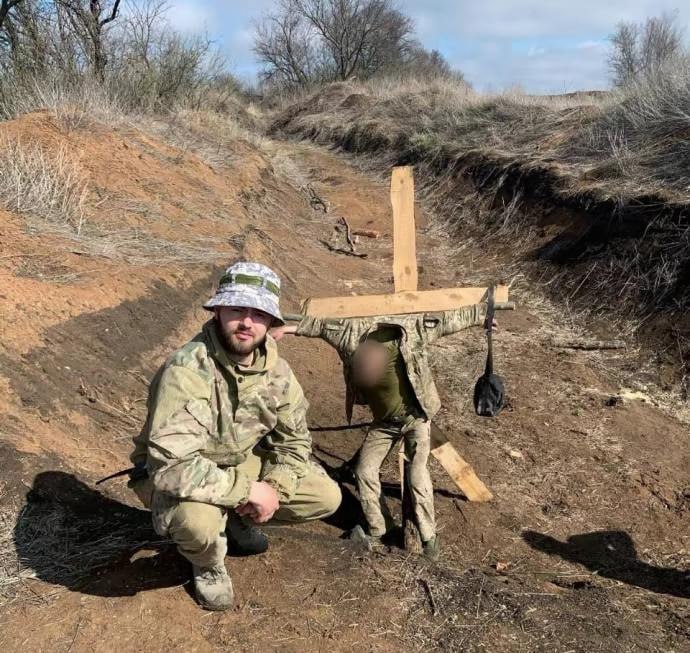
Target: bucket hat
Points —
{"points": [[249, 285]]}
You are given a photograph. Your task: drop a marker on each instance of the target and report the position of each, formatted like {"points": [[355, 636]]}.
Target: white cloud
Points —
{"points": [[592, 45], [535, 51], [191, 17], [543, 45], [536, 18]]}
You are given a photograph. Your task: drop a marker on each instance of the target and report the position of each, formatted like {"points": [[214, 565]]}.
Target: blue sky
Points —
{"points": [[542, 46]]}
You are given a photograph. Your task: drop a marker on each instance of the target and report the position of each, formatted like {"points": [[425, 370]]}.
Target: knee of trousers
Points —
{"points": [[319, 504], [324, 504], [366, 472], [196, 525], [331, 499]]}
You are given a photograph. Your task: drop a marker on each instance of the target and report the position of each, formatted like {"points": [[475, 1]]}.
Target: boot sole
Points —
{"points": [[214, 608]]}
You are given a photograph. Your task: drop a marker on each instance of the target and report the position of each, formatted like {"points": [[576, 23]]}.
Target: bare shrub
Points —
{"points": [[642, 50], [159, 69], [646, 124], [95, 57], [50, 187]]}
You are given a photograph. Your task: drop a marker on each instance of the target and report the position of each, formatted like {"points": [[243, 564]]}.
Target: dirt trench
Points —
{"points": [[584, 548]]}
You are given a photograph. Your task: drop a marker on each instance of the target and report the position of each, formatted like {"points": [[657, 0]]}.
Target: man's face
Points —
{"points": [[369, 364], [243, 329]]}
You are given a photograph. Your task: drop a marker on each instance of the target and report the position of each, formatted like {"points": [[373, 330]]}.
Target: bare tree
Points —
{"points": [[660, 41], [282, 44], [358, 34], [308, 41], [642, 49], [142, 28], [429, 63], [88, 19], [623, 61]]}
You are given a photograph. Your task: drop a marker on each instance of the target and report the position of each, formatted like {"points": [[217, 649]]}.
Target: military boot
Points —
{"points": [[432, 548], [370, 542], [243, 537], [213, 587]]}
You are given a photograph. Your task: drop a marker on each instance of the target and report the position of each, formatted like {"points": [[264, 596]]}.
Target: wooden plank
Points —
{"points": [[403, 303], [404, 233], [462, 473]]}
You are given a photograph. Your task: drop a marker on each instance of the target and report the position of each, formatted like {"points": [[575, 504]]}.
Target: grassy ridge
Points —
{"points": [[620, 146]]}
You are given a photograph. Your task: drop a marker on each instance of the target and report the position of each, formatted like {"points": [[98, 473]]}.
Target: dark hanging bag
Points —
{"points": [[489, 391]]}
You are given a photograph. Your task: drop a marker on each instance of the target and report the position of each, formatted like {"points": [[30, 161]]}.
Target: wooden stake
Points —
{"points": [[404, 241]]}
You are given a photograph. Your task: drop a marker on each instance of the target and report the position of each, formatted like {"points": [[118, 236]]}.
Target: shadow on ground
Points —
{"points": [[71, 535], [612, 554]]}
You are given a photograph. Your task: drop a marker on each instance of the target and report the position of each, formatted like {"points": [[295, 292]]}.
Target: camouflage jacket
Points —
{"points": [[418, 331], [205, 414]]}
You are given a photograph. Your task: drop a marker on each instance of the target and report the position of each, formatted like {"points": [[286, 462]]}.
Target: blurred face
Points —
{"points": [[369, 363], [243, 329]]}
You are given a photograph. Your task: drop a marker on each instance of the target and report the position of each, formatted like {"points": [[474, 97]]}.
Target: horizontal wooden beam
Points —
{"points": [[401, 303]]}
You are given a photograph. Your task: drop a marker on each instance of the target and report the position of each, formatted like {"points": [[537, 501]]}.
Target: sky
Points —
{"points": [[547, 46]]}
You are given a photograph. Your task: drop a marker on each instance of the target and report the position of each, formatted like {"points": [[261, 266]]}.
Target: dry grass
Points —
{"points": [[47, 541], [209, 135], [139, 248], [610, 146], [75, 105], [49, 186]]}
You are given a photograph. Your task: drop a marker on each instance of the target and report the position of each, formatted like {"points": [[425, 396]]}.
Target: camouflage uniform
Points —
{"points": [[213, 427], [417, 332]]}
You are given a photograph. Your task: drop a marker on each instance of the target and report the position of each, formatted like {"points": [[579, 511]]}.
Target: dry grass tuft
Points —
{"points": [[209, 135], [138, 248], [48, 186]]}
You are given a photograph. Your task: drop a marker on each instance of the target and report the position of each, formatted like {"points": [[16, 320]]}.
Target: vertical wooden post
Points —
{"points": [[404, 243]]}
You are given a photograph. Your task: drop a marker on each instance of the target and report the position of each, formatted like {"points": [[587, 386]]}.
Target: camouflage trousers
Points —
{"points": [[380, 439], [198, 529]]}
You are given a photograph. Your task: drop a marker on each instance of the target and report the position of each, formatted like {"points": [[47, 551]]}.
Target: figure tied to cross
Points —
{"points": [[386, 367]]}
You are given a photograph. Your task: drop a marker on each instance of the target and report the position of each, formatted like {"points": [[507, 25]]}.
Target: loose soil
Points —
{"points": [[585, 546]]}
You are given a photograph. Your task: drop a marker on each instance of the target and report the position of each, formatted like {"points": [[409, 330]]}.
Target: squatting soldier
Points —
{"points": [[386, 366], [226, 442]]}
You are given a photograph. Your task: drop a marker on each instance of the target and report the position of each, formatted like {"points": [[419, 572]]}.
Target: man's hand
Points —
{"points": [[278, 332], [494, 325], [262, 504]]}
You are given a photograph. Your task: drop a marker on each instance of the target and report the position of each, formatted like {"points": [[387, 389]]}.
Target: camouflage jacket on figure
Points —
{"points": [[418, 331], [205, 414]]}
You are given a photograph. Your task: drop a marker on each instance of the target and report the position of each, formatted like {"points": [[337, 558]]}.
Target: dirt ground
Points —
{"points": [[585, 547]]}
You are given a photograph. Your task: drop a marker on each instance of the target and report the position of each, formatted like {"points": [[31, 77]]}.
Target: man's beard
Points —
{"points": [[240, 347]]}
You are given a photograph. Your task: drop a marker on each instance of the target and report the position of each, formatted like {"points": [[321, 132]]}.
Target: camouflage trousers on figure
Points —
{"points": [[198, 529], [380, 439]]}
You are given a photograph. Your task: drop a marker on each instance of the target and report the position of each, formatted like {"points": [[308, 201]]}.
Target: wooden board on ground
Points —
{"points": [[457, 467], [404, 241], [462, 473], [402, 303]]}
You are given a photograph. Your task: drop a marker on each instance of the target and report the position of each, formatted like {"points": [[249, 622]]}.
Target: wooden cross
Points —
{"points": [[407, 299]]}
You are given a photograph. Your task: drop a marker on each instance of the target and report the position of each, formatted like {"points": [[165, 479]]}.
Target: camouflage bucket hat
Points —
{"points": [[249, 285]]}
